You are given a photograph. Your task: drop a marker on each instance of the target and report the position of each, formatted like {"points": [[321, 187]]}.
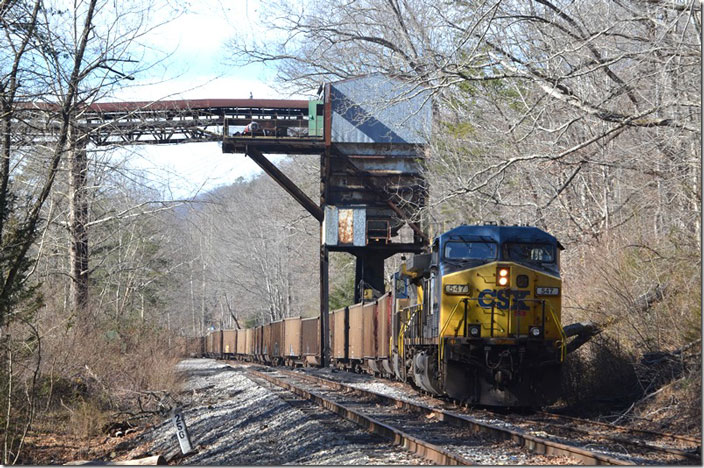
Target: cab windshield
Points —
{"points": [[530, 252], [467, 250]]}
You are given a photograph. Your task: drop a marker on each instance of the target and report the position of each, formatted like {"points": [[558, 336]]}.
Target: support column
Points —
{"points": [[324, 263], [369, 271], [324, 312]]}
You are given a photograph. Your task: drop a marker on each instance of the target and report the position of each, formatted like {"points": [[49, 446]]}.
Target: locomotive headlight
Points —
{"points": [[502, 276], [535, 332], [475, 331]]}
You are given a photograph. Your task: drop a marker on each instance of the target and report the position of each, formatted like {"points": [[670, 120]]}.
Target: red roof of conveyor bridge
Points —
{"points": [[181, 104]]}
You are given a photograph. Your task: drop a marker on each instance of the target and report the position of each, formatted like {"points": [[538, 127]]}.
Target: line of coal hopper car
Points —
{"points": [[359, 340]]}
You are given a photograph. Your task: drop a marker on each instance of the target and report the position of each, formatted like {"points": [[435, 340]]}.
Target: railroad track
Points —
{"points": [[618, 444], [418, 446], [639, 444], [614, 444], [340, 428], [550, 434], [439, 436], [575, 440], [651, 435]]}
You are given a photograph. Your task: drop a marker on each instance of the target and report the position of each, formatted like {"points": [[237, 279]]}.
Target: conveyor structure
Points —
{"points": [[370, 133]]}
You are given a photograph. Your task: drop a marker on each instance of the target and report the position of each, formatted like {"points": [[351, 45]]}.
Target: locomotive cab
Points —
{"points": [[481, 323]]}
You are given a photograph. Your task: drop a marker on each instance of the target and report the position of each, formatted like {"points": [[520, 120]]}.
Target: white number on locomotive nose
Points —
{"points": [[457, 288]]}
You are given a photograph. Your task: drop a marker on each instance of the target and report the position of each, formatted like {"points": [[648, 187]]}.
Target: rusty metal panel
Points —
{"points": [[379, 109], [229, 341], [345, 233], [277, 339], [258, 340], [241, 347], [266, 340], [217, 342], [383, 325], [249, 342], [345, 226], [310, 336], [292, 337], [356, 327], [339, 334], [369, 330]]}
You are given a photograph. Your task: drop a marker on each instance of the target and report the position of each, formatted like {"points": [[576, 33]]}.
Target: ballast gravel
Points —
{"points": [[234, 421]]}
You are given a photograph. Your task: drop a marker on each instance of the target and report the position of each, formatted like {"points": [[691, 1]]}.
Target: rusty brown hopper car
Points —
{"points": [[217, 343], [292, 338], [258, 341], [277, 339], [310, 339], [249, 344], [369, 331], [229, 342], [266, 341], [241, 347], [339, 340], [209, 343], [355, 343], [383, 326]]}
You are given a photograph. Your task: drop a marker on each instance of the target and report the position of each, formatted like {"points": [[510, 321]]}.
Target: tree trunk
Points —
{"points": [[78, 217]]}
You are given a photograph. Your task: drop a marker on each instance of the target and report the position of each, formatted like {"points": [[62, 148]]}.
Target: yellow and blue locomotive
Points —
{"points": [[478, 318]]}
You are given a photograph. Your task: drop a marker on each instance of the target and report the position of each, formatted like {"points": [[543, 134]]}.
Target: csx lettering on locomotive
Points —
{"points": [[501, 299]]}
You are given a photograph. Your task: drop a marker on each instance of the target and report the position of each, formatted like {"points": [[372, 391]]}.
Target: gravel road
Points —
{"points": [[234, 421]]}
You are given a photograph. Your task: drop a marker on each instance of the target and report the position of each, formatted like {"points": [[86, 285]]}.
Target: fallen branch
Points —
{"points": [[648, 396]]}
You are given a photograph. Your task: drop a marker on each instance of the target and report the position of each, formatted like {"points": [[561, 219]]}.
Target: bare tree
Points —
{"points": [[56, 58], [577, 94]]}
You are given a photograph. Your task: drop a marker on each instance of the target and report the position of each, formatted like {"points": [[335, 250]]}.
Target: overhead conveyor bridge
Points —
{"points": [[182, 121]]}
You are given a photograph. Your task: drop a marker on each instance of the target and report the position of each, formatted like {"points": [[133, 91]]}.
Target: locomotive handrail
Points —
{"points": [[441, 352], [563, 344], [563, 340], [404, 325], [447, 322], [493, 311]]}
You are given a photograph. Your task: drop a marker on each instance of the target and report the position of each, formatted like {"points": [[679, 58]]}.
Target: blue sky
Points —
{"points": [[197, 68]]}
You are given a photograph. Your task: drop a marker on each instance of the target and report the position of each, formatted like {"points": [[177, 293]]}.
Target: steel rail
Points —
{"points": [[531, 442], [682, 454], [420, 447], [616, 426]]}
